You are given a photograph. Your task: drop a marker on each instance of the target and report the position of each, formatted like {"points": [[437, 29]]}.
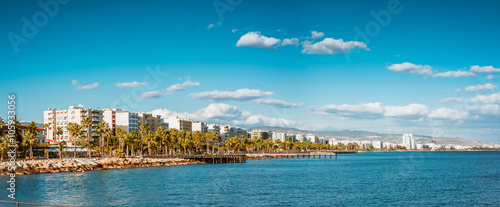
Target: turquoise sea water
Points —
{"points": [[365, 179]]}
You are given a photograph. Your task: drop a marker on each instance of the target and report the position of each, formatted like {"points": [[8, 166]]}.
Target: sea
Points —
{"points": [[458, 178]]}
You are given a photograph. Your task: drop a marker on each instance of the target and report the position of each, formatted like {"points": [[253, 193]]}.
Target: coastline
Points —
{"points": [[44, 166]]}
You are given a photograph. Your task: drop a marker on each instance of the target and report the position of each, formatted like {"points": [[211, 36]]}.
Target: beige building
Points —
{"points": [[74, 114], [179, 124]]}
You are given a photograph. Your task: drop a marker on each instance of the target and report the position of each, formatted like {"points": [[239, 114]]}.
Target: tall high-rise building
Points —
{"points": [[117, 118], [409, 141]]}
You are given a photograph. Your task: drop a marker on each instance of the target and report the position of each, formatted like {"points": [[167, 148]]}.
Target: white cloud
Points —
{"points": [[490, 77], [239, 95], [411, 68], [332, 46], [291, 41], [74, 82], [484, 69], [480, 87], [452, 100], [220, 113], [316, 35], [210, 26], [88, 87], [130, 84], [455, 74], [487, 109], [278, 103], [180, 86], [255, 39], [371, 110], [151, 94], [234, 30], [447, 113], [493, 98]]}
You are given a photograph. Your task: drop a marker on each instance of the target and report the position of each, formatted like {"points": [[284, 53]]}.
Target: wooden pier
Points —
{"points": [[242, 157]]}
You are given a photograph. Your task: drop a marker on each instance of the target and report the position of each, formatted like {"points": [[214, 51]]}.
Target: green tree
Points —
{"points": [[75, 130], [121, 134], [30, 138], [87, 124], [61, 147], [4, 146], [143, 131], [104, 133]]}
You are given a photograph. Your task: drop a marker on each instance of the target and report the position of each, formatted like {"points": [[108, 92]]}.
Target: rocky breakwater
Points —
{"points": [[26, 167]]}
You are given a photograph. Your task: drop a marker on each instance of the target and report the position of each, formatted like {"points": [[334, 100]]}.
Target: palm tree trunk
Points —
{"points": [[126, 152], [31, 151], [74, 147]]}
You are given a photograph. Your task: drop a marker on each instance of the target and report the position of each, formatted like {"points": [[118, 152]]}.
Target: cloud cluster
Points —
{"points": [[447, 113], [255, 39], [238, 95], [480, 87], [325, 46], [332, 46], [427, 70], [87, 87], [278, 103], [371, 110], [130, 84], [170, 90], [220, 113], [411, 68], [181, 86]]}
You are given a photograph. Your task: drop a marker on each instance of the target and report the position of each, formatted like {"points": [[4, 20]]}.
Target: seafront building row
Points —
{"points": [[126, 120], [56, 119]]}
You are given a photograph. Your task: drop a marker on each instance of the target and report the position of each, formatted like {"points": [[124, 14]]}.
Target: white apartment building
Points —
{"points": [[213, 128], [300, 138], [312, 138], [175, 122], [199, 126], [409, 141], [279, 136], [377, 144], [74, 114], [117, 118], [332, 141]]}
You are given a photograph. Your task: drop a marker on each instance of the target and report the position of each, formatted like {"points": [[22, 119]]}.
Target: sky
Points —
{"points": [[422, 67]]}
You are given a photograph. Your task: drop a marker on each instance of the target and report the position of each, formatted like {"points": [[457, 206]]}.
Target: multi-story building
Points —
{"points": [[409, 141], [300, 138], [179, 124], [377, 144], [279, 136], [117, 118], [199, 126], [40, 133], [74, 114], [213, 128], [332, 141], [152, 121], [261, 134], [312, 138]]}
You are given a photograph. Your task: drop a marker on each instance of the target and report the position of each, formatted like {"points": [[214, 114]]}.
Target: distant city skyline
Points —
{"points": [[417, 67]]}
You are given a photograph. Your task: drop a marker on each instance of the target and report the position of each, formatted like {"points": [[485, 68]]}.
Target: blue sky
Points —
{"points": [[257, 63]]}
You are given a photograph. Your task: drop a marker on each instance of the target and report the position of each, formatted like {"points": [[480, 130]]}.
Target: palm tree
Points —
{"points": [[61, 147], [75, 130], [59, 131], [122, 136], [143, 131], [30, 137], [104, 131], [186, 141], [46, 126], [174, 134], [131, 140], [4, 146], [197, 139], [87, 124], [1, 126], [165, 138]]}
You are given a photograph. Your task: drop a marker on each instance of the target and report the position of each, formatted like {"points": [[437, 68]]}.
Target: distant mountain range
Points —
{"points": [[359, 135]]}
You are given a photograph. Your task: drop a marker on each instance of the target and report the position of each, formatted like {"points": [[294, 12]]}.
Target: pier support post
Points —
{"points": [[335, 155]]}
